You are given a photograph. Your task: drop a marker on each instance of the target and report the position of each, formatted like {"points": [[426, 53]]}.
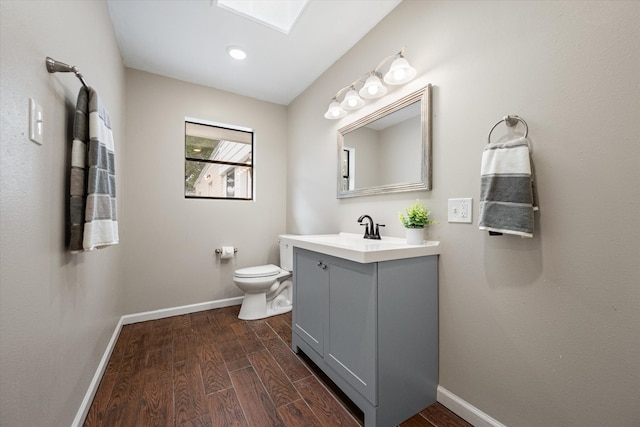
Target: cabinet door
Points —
{"points": [[310, 293], [352, 324]]}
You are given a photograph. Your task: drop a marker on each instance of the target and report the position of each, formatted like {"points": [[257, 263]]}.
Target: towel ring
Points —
{"points": [[510, 121]]}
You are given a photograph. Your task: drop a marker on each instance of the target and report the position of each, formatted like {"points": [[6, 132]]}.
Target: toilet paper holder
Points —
{"points": [[219, 250]]}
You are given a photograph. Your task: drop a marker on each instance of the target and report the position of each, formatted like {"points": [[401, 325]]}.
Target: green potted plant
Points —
{"points": [[414, 219]]}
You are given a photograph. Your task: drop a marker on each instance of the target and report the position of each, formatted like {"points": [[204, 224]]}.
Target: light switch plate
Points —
{"points": [[460, 210], [35, 122]]}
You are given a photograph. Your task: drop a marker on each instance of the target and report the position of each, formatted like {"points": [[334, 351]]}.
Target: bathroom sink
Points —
{"points": [[355, 248]]}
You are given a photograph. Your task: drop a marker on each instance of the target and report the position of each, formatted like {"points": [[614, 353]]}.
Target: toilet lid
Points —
{"points": [[259, 271]]}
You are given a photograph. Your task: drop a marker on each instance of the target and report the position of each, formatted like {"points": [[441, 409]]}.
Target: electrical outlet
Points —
{"points": [[460, 210]]}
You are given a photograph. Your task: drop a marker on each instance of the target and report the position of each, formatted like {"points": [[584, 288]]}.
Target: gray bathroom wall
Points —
{"points": [[533, 332], [57, 310], [170, 241]]}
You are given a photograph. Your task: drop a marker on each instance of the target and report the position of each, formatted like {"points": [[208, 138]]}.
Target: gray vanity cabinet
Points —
{"points": [[372, 328], [337, 300], [312, 297]]}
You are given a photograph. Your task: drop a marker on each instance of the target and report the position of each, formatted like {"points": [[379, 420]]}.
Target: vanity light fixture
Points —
{"points": [[371, 86], [400, 72], [335, 111], [352, 100]]}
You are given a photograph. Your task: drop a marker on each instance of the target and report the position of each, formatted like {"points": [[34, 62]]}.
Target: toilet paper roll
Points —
{"points": [[227, 252]]}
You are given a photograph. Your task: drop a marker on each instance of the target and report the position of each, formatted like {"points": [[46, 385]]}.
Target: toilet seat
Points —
{"points": [[258, 271]]}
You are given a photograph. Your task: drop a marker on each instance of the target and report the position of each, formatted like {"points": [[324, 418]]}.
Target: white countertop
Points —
{"points": [[356, 248]]}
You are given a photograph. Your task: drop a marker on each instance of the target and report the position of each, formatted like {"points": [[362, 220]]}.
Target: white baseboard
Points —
{"points": [[95, 382], [136, 318], [177, 311], [465, 410]]}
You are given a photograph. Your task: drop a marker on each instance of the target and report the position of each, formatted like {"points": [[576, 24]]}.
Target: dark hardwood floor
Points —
{"points": [[212, 369]]}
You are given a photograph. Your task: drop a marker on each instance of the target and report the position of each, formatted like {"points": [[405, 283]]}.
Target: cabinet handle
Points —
{"points": [[322, 265]]}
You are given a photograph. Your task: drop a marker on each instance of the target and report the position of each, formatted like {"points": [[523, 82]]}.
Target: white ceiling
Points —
{"points": [[187, 40]]}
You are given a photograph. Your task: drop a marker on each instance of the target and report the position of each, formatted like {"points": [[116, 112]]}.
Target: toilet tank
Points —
{"points": [[286, 254]]}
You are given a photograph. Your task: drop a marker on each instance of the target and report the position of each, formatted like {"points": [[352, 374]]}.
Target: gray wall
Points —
{"points": [[540, 331], [532, 332], [170, 241], [57, 310]]}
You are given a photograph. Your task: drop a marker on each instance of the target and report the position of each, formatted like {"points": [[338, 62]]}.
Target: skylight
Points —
{"points": [[277, 14]]}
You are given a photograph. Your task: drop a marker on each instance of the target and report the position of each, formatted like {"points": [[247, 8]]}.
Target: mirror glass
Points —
{"points": [[389, 150]]}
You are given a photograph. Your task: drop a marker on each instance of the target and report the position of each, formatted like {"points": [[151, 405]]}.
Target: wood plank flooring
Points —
{"points": [[211, 369]]}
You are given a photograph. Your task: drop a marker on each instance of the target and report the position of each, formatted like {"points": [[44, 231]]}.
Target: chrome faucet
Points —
{"points": [[369, 231]]}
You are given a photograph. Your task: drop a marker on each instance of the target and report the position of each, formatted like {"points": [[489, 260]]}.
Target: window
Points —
{"points": [[218, 161]]}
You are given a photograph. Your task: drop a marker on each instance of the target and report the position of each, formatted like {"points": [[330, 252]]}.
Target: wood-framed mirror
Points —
{"points": [[389, 150]]}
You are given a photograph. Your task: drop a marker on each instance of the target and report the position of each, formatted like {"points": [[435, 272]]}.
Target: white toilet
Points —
{"points": [[268, 289]]}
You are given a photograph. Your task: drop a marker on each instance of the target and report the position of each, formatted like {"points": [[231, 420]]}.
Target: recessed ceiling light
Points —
{"points": [[236, 52]]}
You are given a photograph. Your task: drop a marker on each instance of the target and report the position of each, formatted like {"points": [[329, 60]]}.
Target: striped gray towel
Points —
{"points": [[93, 211], [78, 190], [508, 195]]}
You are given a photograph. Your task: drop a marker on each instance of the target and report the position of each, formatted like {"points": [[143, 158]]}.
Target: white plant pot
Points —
{"points": [[415, 236]]}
